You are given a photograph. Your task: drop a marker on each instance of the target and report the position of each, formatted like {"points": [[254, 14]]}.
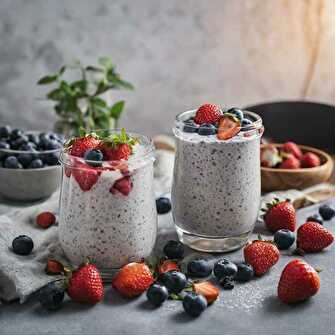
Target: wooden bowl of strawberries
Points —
{"points": [[291, 166]]}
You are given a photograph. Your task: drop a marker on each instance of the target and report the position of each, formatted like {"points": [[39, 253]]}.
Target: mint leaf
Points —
{"points": [[47, 79], [106, 62], [116, 110]]}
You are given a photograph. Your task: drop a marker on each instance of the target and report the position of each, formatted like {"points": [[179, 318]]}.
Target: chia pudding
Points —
{"points": [[216, 187], [113, 221]]}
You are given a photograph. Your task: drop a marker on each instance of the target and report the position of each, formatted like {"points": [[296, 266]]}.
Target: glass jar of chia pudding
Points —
{"points": [[216, 186], [107, 207]]}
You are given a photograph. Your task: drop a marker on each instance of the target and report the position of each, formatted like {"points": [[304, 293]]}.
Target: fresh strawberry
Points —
{"points": [[292, 148], [229, 126], [261, 255], [270, 156], [45, 219], [54, 267], [133, 279], [313, 237], [208, 290], [85, 176], [310, 160], [118, 152], [280, 215], [85, 285], [298, 282], [82, 144], [123, 185], [167, 266], [291, 162], [207, 113]]}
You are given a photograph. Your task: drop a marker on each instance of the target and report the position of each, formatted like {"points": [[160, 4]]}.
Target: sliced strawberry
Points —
{"points": [[167, 266], [85, 176], [207, 113], [229, 126], [82, 144], [208, 290], [54, 267], [119, 152], [123, 185], [292, 148]]}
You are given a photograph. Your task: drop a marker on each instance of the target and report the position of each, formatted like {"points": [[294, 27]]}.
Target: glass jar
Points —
{"points": [[216, 186], [108, 213]]}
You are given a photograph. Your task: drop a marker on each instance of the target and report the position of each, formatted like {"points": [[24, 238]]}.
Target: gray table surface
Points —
{"points": [[251, 308]]}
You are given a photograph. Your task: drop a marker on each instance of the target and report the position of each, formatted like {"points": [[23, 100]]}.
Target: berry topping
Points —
{"points": [[85, 176], [315, 218], [167, 266], [237, 112], [224, 268], [82, 144], [51, 296], [157, 294], [45, 219], [163, 205], [174, 249], [327, 212], [261, 255], [194, 304], [280, 215], [291, 162], [175, 281], [310, 160], [292, 148], [199, 268], [245, 272], [298, 282], [312, 237], [207, 289], [284, 239], [93, 157], [207, 129], [208, 113], [22, 245], [133, 279], [190, 126], [246, 123], [229, 126], [123, 186], [54, 267]]}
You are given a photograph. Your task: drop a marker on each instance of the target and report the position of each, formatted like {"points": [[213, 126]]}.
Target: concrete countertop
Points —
{"points": [[251, 308]]}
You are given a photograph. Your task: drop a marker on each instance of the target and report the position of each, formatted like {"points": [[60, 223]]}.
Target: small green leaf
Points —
{"points": [[56, 95], [174, 296], [47, 79], [93, 69], [106, 62], [116, 110], [80, 86], [98, 102], [61, 70]]}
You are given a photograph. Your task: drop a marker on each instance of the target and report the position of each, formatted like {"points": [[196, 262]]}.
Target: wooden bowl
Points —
{"points": [[275, 179]]}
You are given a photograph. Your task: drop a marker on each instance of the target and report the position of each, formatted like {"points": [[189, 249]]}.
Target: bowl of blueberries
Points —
{"points": [[29, 167]]}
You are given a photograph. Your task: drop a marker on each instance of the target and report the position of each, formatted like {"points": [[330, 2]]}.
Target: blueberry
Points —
{"points": [[29, 146], [51, 145], [327, 212], [163, 205], [174, 281], [15, 133], [224, 268], [34, 138], [19, 141], [199, 268], [207, 129], [22, 245], [284, 238], [174, 249], [157, 294], [51, 159], [36, 164], [194, 304], [315, 218], [227, 283], [94, 157], [5, 131], [246, 123], [190, 127], [4, 145], [25, 159], [44, 141], [237, 112], [51, 296], [245, 272], [11, 162]]}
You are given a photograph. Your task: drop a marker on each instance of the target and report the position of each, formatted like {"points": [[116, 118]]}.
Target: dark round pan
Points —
{"points": [[303, 122]]}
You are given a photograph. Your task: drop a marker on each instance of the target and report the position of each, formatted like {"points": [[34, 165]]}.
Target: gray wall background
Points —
{"points": [[178, 54]]}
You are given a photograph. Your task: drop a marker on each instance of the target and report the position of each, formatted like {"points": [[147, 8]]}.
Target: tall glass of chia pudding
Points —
{"points": [[216, 187], [107, 204]]}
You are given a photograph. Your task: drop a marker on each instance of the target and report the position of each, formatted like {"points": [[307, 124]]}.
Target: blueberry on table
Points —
{"points": [[5, 131], [315, 218], [22, 245], [327, 212], [245, 272], [51, 296], [94, 157], [174, 281], [11, 162], [224, 268], [174, 249], [163, 205], [284, 238], [194, 304], [199, 268], [237, 112], [190, 127], [207, 129], [227, 283], [15, 133], [36, 164], [157, 294]]}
